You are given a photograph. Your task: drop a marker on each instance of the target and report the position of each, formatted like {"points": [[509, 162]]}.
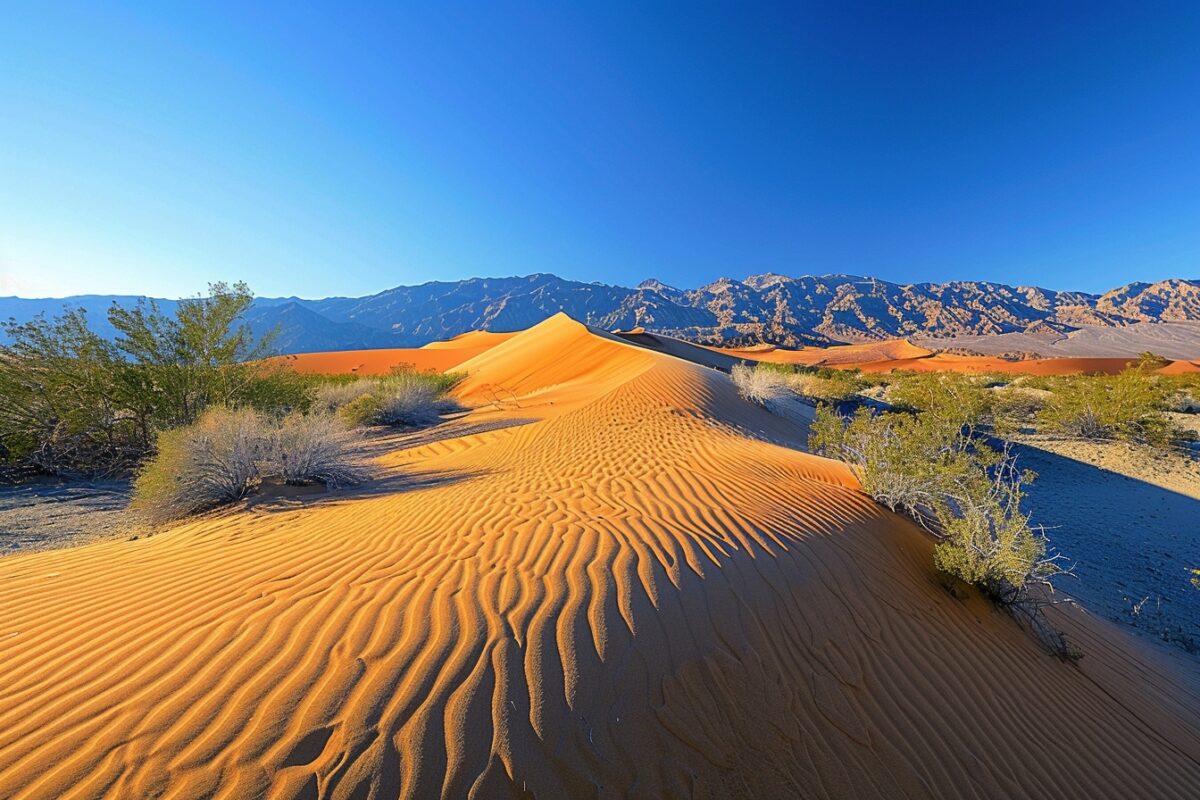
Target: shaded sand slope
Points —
{"points": [[634, 594]]}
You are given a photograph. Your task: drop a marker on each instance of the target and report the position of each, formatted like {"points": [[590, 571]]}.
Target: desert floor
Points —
{"points": [[612, 578]]}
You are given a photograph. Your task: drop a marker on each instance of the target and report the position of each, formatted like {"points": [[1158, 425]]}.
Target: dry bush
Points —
{"points": [[331, 397], [227, 453], [317, 448], [212, 462], [769, 388], [838, 386], [410, 401]]}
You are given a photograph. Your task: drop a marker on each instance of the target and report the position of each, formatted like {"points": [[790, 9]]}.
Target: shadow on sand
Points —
{"points": [[1131, 543]]}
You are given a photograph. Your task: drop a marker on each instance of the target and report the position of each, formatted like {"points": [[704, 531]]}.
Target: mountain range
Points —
{"points": [[767, 308]]}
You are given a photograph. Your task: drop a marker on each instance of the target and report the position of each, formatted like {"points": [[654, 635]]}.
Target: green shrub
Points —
{"points": [[402, 397], [364, 409], [966, 492], [954, 398], [1149, 360], [1125, 406], [840, 386]]}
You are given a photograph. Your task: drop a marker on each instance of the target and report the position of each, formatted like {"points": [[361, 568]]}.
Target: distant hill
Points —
{"points": [[782, 310]]}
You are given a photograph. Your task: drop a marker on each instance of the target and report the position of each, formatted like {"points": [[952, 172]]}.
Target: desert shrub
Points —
{"points": [[1124, 406], [61, 410], [1013, 407], [954, 398], [365, 409], [75, 402], [1149, 360], [964, 491], [181, 364], [316, 448], [1183, 402], [769, 388], [402, 397], [777, 386], [214, 461], [839, 386], [410, 401], [227, 454], [276, 390], [333, 396]]}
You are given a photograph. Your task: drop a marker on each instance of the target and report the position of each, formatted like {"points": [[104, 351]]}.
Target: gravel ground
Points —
{"points": [[50, 514]]}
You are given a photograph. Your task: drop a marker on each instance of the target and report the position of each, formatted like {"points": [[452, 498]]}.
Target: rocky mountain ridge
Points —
{"points": [[772, 308]]}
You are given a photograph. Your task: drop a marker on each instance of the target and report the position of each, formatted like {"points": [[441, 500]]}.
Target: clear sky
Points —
{"points": [[150, 148]]}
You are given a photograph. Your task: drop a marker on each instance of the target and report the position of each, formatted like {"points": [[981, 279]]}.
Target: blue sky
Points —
{"points": [[344, 149]]}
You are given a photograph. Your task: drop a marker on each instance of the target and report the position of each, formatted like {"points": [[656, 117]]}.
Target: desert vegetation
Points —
{"points": [[937, 446], [228, 453], [1134, 405], [184, 403]]}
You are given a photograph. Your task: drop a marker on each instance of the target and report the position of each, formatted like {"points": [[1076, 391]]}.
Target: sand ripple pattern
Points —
{"points": [[644, 593]]}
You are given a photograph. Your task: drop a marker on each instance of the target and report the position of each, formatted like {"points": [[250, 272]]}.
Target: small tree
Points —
{"points": [[59, 409], [180, 365]]}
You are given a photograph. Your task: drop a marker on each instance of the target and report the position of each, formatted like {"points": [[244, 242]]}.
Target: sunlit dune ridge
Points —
{"points": [[620, 580]]}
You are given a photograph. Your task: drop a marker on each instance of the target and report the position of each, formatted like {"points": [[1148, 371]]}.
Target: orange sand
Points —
{"points": [[639, 587], [945, 362], [439, 356], [1180, 368]]}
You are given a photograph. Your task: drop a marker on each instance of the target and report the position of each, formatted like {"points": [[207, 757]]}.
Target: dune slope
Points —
{"points": [[638, 590]]}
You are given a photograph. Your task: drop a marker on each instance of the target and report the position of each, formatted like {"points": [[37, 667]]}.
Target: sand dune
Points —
{"points": [[1181, 368], [839, 355], [439, 356], [619, 580], [901, 354]]}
